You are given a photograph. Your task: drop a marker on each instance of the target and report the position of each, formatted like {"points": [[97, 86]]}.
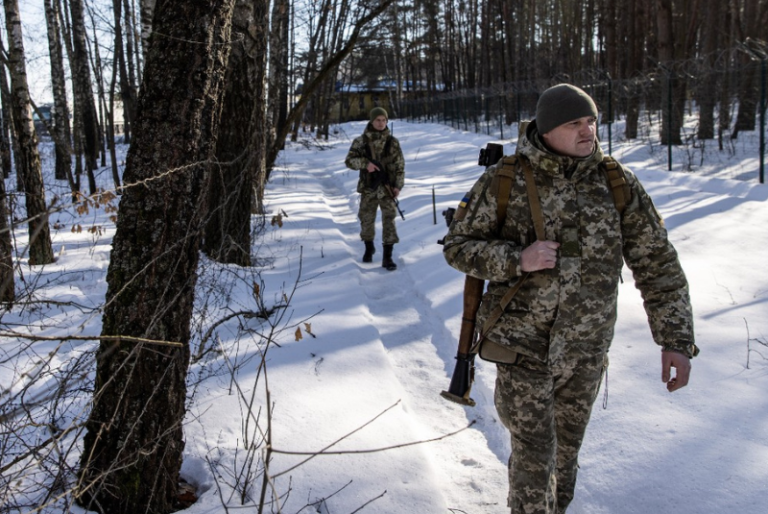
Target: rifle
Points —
{"points": [[382, 178], [463, 373], [392, 196]]}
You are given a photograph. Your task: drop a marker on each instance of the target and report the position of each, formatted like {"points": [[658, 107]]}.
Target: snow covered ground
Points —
{"points": [[367, 373]]}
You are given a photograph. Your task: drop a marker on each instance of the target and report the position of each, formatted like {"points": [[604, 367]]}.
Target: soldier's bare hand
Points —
{"points": [[395, 192], [371, 167], [682, 365], [540, 255]]}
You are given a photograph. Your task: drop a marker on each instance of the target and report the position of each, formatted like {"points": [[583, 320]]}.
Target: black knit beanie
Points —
{"points": [[378, 111], [560, 104]]}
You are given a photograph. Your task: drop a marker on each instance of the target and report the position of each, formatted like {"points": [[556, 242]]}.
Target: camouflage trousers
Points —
{"points": [[370, 202], [546, 407]]}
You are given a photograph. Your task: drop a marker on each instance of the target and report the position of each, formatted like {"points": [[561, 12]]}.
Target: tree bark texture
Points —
{"points": [[7, 283], [133, 446], [277, 108], [147, 10], [671, 108], [127, 90], [241, 143], [6, 139], [29, 168], [131, 56], [753, 18], [58, 82], [706, 88], [83, 92]]}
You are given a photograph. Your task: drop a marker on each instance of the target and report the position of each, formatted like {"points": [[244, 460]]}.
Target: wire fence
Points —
{"points": [[497, 110]]}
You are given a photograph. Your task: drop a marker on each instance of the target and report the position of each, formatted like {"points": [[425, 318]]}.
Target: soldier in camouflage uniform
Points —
{"points": [[558, 327], [377, 154]]}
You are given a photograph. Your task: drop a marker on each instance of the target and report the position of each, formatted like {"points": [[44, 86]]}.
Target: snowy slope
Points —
{"points": [[386, 337], [367, 375]]}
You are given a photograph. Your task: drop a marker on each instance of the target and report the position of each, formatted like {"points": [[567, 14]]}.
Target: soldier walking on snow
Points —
{"points": [[377, 154], [555, 332]]}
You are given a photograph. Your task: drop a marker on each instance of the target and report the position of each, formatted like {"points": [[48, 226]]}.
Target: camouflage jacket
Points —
{"points": [[381, 147], [574, 303]]}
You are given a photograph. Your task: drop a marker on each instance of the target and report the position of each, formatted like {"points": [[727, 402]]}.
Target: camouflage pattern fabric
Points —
{"points": [[561, 321], [385, 149], [575, 301], [370, 202], [375, 142], [546, 408]]}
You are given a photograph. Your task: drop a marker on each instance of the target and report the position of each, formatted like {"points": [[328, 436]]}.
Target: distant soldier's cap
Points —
{"points": [[378, 111], [560, 104]]}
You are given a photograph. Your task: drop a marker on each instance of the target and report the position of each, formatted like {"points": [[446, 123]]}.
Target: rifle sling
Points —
{"points": [[533, 200], [506, 174]]}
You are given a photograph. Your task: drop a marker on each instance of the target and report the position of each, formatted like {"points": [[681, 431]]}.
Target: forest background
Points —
{"points": [[209, 92]]}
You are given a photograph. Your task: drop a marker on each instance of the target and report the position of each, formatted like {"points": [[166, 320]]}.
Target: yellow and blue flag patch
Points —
{"points": [[461, 211]]}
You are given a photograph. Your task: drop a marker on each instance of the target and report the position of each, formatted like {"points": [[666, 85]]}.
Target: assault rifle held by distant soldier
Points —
{"points": [[381, 177], [394, 199]]}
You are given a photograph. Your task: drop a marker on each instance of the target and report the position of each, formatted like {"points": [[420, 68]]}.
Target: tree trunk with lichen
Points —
{"points": [[133, 447]]}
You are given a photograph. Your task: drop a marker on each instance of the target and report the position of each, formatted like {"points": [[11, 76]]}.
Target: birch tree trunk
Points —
{"points": [[6, 158], [29, 167], [7, 291], [13, 147], [133, 447]]}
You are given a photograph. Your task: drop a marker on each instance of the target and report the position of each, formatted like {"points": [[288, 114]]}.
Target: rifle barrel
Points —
{"points": [[394, 199]]}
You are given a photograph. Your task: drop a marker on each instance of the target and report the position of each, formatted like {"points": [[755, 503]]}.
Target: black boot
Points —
{"points": [[387, 261], [369, 251]]}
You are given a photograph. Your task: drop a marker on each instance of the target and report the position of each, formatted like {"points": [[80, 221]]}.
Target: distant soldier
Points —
{"points": [[378, 156], [555, 333]]}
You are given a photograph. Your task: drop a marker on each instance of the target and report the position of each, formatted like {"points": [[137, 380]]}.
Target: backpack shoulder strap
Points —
{"points": [[533, 201], [505, 176], [617, 183], [538, 223]]}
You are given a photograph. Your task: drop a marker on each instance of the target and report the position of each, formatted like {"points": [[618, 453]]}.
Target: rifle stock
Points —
{"points": [[464, 372]]}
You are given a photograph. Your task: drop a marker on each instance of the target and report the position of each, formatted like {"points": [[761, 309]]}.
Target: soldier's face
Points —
{"points": [[574, 139], [380, 123]]}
